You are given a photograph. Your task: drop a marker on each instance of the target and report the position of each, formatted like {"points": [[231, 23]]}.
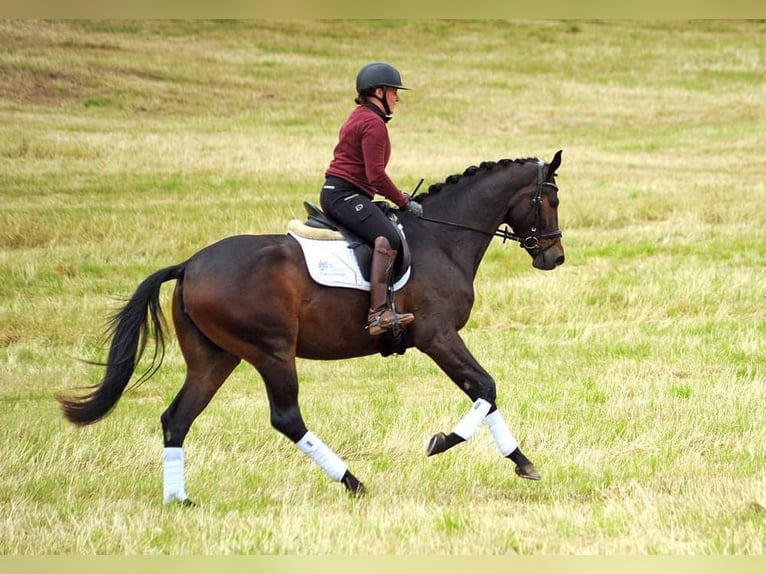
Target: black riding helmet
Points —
{"points": [[378, 75]]}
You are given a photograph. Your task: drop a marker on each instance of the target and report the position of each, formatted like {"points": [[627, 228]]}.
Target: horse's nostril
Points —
{"points": [[559, 260]]}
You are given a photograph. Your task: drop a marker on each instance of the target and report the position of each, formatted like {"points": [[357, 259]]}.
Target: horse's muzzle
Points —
{"points": [[549, 257]]}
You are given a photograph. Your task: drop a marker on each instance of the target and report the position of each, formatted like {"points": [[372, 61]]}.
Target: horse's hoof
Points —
{"points": [[353, 486], [528, 471], [178, 501], [437, 444], [359, 491]]}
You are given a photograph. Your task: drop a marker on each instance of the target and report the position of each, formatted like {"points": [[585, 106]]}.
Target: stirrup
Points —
{"points": [[383, 320]]}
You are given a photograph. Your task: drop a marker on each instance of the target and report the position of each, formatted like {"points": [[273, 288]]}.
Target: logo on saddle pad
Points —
{"points": [[330, 258]]}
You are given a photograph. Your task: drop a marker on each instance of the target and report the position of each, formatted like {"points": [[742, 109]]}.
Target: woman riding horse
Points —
{"points": [[357, 173]]}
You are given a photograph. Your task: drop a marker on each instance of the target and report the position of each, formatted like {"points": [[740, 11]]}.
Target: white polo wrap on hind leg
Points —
{"points": [[173, 481], [506, 442], [472, 421], [320, 453]]}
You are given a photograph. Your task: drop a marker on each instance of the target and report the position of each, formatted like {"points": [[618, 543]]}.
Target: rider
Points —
{"points": [[357, 172]]}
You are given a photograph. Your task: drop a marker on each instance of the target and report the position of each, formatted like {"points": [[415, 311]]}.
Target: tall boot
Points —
{"points": [[382, 317]]}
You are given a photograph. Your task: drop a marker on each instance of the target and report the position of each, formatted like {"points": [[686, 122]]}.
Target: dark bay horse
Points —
{"points": [[250, 297]]}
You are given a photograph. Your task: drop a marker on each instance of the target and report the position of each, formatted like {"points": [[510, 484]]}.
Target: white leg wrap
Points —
{"points": [[472, 421], [320, 453], [506, 442], [173, 483]]}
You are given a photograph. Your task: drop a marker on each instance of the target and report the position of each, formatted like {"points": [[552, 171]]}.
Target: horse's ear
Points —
{"points": [[555, 163]]}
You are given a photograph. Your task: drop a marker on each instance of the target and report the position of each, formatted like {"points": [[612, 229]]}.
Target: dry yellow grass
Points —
{"points": [[633, 375]]}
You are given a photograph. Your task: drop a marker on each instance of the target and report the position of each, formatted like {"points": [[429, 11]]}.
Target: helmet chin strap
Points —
{"points": [[384, 101]]}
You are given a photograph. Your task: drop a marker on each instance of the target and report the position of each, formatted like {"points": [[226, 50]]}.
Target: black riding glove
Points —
{"points": [[414, 208]]}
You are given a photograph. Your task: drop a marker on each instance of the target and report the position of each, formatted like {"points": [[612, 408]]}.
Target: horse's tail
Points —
{"points": [[130, 330]]}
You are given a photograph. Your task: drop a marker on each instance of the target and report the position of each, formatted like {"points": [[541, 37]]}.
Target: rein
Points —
{"points": [[531, 241]]}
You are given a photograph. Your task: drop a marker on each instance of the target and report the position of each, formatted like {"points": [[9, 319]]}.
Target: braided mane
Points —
{"points": [[473, 170]]}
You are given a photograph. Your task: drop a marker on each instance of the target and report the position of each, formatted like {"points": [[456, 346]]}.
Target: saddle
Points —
{"points": [[319, 226]]}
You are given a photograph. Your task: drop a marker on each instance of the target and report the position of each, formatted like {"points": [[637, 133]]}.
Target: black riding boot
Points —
{"points": [[382, 317]]}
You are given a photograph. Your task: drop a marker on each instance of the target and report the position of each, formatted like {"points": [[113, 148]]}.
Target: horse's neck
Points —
{"points": [[482, 200], [481, 207]]}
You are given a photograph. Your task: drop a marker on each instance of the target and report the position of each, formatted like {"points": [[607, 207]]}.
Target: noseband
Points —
{"points": [[531, 241]]}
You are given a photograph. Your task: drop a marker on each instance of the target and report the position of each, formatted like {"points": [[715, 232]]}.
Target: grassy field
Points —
{"points": [[634, 375]]}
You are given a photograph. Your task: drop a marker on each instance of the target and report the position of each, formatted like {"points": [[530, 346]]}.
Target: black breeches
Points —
{"points": [[354, 210]]}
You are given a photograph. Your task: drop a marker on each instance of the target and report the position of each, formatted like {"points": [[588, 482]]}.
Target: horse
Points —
{"points": [[250, 298]]}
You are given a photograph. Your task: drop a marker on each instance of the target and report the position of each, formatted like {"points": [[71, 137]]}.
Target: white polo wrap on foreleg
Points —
{"points": [[506, 442], [173, 482], [472, 421], [320, 453]]}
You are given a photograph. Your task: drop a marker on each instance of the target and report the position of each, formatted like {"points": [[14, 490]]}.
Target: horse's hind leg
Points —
{"points": [[282, 389], [197, 391], [207, 369]]}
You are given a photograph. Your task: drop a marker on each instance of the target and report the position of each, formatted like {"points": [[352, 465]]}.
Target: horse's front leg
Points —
{"points": [[454, 358]]}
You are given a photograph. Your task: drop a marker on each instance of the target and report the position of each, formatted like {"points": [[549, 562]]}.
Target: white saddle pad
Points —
{"points": [[332, 263]]}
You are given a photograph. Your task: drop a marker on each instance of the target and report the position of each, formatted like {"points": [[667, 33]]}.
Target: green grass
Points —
{"points": [[633, 375]]}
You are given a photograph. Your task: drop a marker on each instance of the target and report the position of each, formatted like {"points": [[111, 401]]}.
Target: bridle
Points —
{"points": [[531, 241]]}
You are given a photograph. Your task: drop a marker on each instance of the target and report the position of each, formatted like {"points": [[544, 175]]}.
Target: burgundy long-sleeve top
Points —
{"points": [[362, 154]]}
